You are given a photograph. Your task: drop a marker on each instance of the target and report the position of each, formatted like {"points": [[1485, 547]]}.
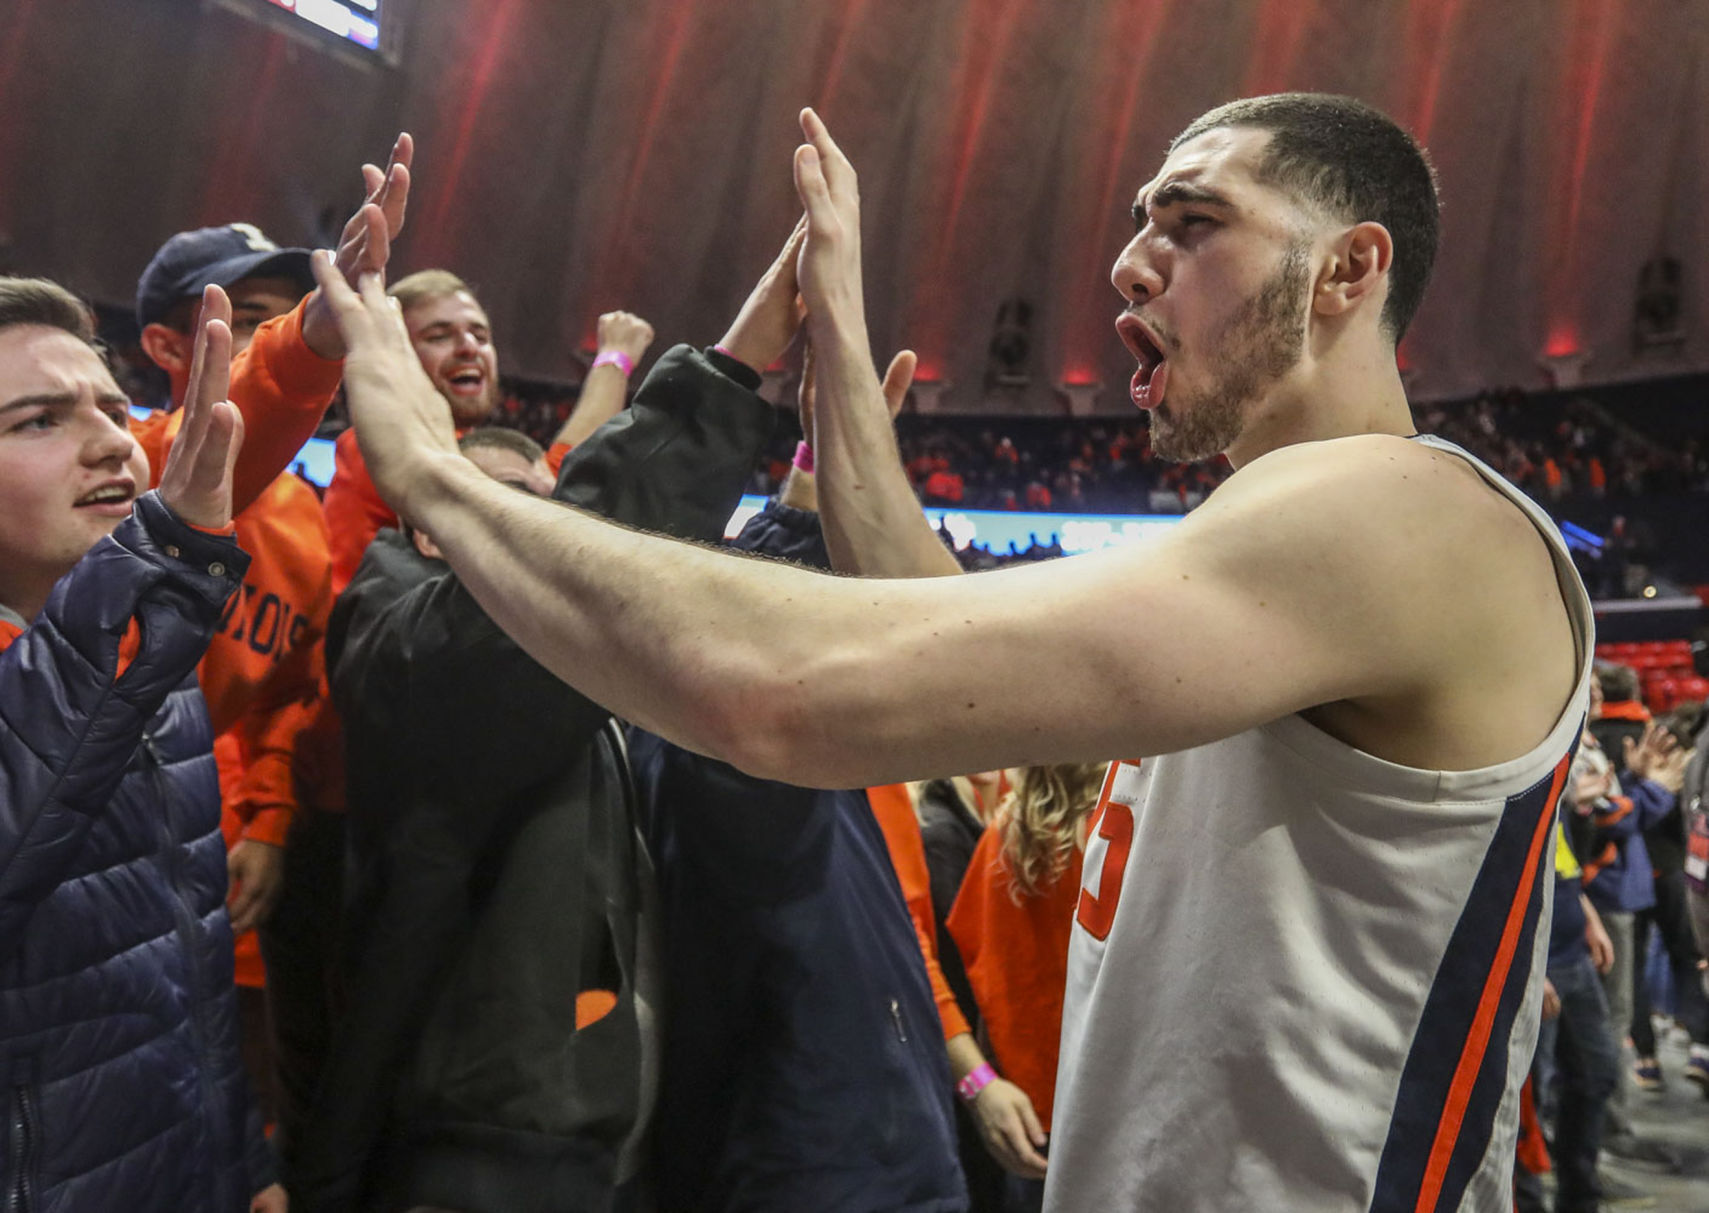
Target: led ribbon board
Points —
{"points": [[356, 21], [996, 530]]}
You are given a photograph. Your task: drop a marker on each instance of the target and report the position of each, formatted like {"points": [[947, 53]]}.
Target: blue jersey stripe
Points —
{"points": [[1452, 1006]]}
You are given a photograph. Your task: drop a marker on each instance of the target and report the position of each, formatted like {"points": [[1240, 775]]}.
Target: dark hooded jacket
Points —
{"points": [[119, 1061], [500, 884]]}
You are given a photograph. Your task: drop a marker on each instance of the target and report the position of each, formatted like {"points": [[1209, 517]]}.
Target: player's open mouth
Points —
{"points": [[112, 499], [1152, 376]]}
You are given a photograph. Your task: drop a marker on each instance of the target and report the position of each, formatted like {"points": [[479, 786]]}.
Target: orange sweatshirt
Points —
{"points": [[894, 809], [1017, 963], [282, 389], [260, 676], [355, 511]]}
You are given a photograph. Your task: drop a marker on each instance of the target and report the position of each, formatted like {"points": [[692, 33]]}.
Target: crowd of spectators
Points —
{"points": [[1554, 448], [1563, 451]]}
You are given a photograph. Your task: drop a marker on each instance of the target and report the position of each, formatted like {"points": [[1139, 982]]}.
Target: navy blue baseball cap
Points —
{"points": [[214, 256]]}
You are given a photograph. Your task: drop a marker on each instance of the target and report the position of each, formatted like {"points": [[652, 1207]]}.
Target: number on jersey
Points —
{"points": [[1113, 822]]}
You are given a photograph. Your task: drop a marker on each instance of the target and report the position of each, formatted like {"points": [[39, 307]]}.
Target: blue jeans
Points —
{"points": [[1587, 1061]]}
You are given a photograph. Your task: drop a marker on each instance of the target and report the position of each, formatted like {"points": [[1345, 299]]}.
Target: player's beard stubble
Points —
{"points": [[1258, 344]]}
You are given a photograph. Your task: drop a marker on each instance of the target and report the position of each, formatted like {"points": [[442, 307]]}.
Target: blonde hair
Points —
{"points": [[1040, 821], [427, 284]]}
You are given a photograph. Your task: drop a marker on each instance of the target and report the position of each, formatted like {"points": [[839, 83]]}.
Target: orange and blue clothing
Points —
{"points": [[260, 674]]}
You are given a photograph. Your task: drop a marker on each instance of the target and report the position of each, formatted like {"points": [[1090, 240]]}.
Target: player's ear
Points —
{"points": [[1357, 270]]}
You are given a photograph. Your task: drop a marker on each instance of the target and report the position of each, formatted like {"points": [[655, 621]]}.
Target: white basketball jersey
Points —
{"points": [[1306, 980]]}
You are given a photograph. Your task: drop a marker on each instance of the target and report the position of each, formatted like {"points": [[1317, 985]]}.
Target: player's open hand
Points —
{"points": [[401, 422], [829, 269], [196, 483], [365, 245]]}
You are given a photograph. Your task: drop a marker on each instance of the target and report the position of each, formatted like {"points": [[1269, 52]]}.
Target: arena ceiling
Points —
{"points": [[577, 156]]}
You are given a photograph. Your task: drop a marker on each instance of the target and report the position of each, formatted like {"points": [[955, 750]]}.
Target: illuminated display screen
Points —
{"points": [[996, 530], [357, 21]]}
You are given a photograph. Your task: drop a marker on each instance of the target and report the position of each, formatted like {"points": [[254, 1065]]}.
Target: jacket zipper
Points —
{"points": [[185, 927], [896, 1017], [21, 1198]]}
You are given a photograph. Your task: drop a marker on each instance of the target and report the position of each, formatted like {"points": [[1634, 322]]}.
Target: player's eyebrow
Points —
{"points": [[1176, 192]]}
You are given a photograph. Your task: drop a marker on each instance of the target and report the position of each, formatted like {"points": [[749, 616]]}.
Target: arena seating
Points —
{"points": [[1665, 669]]}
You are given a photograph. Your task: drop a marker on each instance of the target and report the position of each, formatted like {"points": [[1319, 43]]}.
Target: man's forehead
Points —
{"points": [[496, 461], [438, 309], [1222, 160], [41, 360]]}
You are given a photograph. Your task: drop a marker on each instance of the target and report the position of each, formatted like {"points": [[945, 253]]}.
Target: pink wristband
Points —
{"points": [[804, 456], [981, 1077], [616, 358]]}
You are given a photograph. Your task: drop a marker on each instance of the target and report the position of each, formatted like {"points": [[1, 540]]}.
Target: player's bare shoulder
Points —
{"points": [[1389, 493], [1437, 578]]}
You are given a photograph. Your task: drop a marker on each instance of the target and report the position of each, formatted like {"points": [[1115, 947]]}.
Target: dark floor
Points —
{"points": [[1676, 1118]]}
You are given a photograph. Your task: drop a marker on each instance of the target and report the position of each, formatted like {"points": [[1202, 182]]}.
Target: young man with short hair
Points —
{"points": [[1351, 681], [453, 338], [118, 1019]]}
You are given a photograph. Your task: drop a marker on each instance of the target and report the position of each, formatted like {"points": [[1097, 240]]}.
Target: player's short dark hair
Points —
{"points": [[1355, 162], [38, 301], [504, 439]]}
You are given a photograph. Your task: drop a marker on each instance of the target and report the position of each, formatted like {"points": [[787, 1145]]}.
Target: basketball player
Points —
{"points": [[1305, 972]]}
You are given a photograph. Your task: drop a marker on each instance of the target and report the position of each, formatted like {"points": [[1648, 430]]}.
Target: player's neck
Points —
{"points": [[1323, 400]]}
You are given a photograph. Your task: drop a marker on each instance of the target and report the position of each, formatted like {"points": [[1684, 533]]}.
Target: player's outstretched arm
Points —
{"points": [[1263, 602], [873, 524]]}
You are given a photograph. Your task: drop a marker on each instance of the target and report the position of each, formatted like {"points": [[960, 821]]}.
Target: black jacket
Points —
{"points": [[498, 871]]}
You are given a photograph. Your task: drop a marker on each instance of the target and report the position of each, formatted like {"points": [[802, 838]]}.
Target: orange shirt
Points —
{"points": [[894, 809], [260, 676], [1017, 963], [282, 389], [355, 511]]}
